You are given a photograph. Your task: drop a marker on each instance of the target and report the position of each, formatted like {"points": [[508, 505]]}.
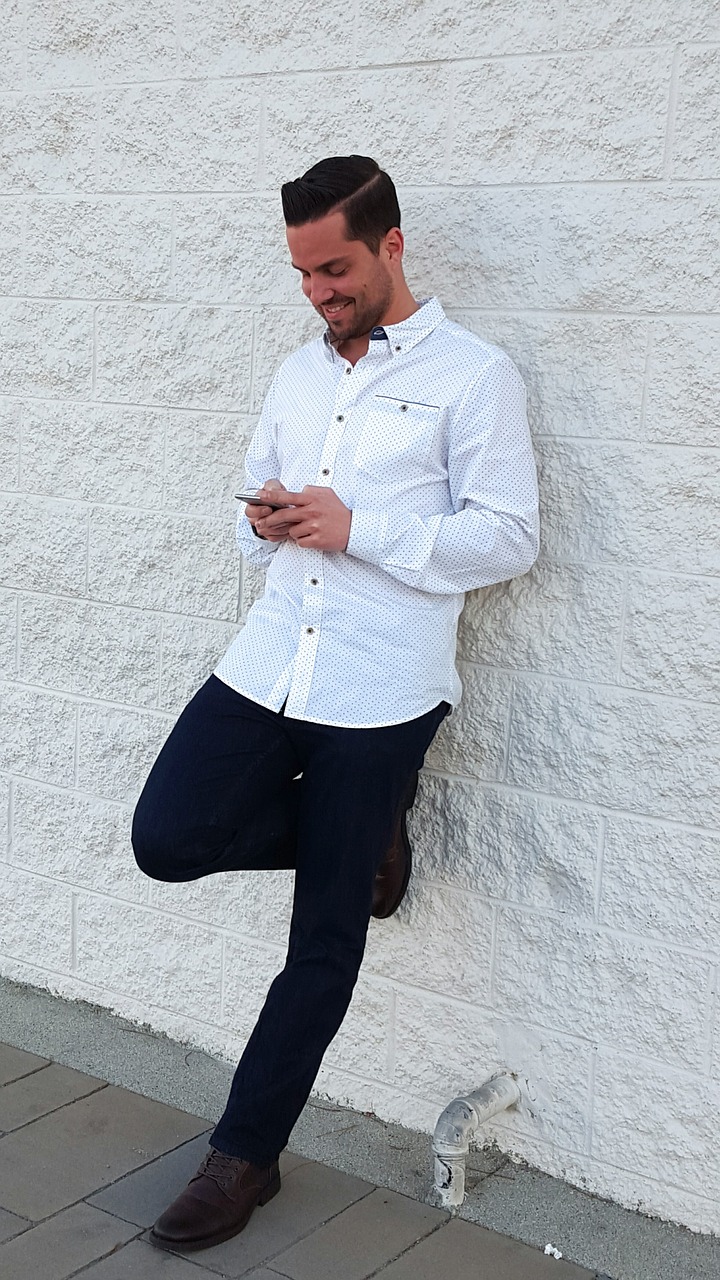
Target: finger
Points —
{"points": [[279, 519]]}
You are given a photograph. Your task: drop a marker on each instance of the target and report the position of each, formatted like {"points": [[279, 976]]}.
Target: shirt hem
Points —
{"points": [[333, 724]]}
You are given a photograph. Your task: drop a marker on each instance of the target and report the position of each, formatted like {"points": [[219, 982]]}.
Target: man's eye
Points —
{"points": [[341, 272]]}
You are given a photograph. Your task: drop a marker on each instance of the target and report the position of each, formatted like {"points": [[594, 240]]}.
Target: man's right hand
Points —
{"points": [[255, 514]]}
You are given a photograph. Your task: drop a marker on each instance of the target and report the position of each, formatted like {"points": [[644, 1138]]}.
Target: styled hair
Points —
{"points": [[353, 185]]}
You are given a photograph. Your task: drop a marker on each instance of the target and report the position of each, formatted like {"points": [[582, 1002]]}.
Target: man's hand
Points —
{"points": [[317, 519], [255, 514]]}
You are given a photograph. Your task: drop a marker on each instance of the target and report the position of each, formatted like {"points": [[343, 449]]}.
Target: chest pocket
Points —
{"points": [[397, 438]]}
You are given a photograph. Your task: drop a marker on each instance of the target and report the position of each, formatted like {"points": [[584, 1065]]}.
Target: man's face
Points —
{"points": [[348, 285]]}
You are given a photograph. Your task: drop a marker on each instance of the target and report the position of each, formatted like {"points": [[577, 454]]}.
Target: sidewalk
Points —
{"points": [[85, 1168]]}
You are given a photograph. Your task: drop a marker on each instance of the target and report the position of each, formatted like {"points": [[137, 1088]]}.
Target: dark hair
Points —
{"points": [[354, 185]]}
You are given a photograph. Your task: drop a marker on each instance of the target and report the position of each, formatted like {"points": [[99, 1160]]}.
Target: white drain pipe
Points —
{"points": [[457, 1125]]}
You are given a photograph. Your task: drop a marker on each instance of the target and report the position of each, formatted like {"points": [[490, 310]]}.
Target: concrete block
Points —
{"points": [[672, 636], [620, 22], [227, 41], [611, 990], [79, 840], [617, 749], [72, 1239], [149, 956], [361, 1044], [87, 43], [4, 831], [11, 245], [595, 117], [37, 734], [12, 50], [45, 544], [430, 30], [505, 845], [97, 651], [16, 1063], [191, 648], [694, 152], [152, 561], [197, 136], [233, 250], [36, 916], [277, 334], [46, 348], [134, 1131], [659, 1122], [142, 1196], [472, 739], [9, 444], [204, 463], [649, 890], [606, 502], [563, 619], [8, 634], [116, 748], [584, 374], [683, 401], [457, 1247], [192, 357], [444, 1049], [633, 248], [253, 904], [55, 1086], [49, 142], [406, 135], [506, 231], [95, 453], [440, 940], [99, 248]]}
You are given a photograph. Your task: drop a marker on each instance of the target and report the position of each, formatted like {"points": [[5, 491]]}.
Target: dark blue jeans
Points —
{"points": [[221, 797]]}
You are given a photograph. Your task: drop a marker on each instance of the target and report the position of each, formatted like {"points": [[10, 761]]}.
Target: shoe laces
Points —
{"points": [[219, 1168]]}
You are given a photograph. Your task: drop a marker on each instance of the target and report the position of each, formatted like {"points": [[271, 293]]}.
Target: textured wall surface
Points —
{"points": [[559, 175]]}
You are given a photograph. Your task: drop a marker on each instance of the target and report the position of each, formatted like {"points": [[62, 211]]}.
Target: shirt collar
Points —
{"points": [[405, 335]]}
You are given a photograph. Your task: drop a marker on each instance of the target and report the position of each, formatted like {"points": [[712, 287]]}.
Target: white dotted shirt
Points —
{"points": [[426, 440]]}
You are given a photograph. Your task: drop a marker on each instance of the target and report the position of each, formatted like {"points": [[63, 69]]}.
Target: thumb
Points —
{"points": [[274, 484]]}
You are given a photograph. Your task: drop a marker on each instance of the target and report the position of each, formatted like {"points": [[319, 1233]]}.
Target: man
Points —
{"points": [[398, 449]]}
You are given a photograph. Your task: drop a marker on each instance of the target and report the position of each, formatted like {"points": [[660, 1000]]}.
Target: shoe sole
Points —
{"points": [[219, 1237]]}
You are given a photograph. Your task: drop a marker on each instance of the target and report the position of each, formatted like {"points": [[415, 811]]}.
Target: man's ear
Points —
{"points": [[394, 244]]}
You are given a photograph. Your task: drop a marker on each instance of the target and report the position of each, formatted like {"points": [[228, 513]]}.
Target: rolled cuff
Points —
{"points": [[368, 535]]}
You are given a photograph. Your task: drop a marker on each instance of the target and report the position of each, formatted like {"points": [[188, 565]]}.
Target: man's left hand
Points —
{"points": [[317, 519]]}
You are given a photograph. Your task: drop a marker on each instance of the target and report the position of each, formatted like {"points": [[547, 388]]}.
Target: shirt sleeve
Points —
{"points": [[493, 533], [261, 464]]}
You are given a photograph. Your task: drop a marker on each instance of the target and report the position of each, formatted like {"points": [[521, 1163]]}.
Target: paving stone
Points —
{"points": [[15, 1063], [57, 1248], [70, 1153], [359, 1240], [467, 1252], [11, 1225], [140, 1261], [142, 1196], [308, 1199], [43, 1091]]}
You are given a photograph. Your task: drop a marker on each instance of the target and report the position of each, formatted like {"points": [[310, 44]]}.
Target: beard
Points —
{"points": [[363, 316]]}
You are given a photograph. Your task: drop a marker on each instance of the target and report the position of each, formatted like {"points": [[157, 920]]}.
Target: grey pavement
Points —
{"points": [[86, 1166]]}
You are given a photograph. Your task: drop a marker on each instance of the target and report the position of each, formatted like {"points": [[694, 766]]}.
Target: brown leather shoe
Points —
{"points": [[216, 1203], [393, 874]]}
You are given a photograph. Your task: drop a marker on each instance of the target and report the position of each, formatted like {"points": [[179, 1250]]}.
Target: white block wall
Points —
{"points": [[558, 171]]}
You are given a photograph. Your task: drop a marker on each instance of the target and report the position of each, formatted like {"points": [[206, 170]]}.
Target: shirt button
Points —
{"points": [[403, 407], [348, 370], [398, 348], [340, 418], [313, 582], [326, 471], [310, 630]]}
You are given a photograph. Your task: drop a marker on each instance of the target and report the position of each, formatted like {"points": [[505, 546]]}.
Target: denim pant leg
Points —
{"points": [[352, 787], [220, 795]]}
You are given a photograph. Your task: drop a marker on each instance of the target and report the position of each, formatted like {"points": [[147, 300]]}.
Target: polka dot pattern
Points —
{"points": [[426, 440]]}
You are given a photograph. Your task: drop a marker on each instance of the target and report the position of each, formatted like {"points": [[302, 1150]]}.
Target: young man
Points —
{"points": [[398, 449]]}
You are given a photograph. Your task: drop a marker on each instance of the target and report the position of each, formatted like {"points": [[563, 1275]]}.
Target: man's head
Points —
{"points": [[343, 230]]}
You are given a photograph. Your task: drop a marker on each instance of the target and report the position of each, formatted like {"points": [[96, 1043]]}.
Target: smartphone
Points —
{"points": [[254, 501]]}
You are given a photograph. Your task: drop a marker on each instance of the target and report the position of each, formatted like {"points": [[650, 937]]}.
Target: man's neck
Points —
{"points": [[401, 308]]}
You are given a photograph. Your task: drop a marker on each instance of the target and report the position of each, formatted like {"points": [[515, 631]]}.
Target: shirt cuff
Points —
{"points": [[368, 534]]}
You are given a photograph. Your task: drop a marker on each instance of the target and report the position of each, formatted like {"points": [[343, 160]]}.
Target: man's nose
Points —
{"points": [[320, 294]]}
